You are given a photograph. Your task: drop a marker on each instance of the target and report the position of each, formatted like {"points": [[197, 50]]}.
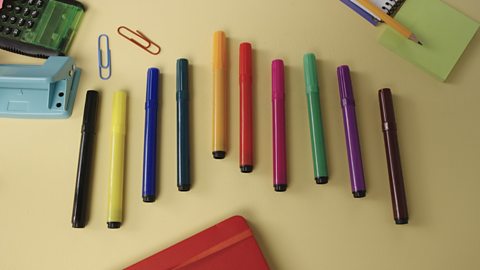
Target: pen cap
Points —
{"points": [[345, 85], [310, 72], [182, 75], [219, 50], [152, 86], [119, 112], [90, 112], [278, 87], [386, 109], [245, 59]]}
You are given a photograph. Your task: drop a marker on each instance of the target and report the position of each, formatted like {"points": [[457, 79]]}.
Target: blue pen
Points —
{"points": [[150, 141], [183, 145]]}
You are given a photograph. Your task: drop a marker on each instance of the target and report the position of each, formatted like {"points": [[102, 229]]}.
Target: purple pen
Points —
{"points": [[351, 132]]}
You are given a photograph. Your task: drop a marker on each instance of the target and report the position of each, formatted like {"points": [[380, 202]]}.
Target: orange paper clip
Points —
{"points": [[139, 39]]}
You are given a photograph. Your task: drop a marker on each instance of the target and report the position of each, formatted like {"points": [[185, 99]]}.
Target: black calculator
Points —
{"points": [[39, 28]]}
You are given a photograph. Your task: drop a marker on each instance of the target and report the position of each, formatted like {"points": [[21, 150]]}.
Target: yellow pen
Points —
{"points": [[115, 185], [219, 138]]}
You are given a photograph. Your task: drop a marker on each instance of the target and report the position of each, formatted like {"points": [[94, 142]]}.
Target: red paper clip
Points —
{"points": [[143, 41]]}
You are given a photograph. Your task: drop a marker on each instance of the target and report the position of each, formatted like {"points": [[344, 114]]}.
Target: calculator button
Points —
{"points": [[21, 22], [35, 14], [29, 24], [13, 20], [9, 7], [4, 17], [26, 11], [31, 2], [18, 10], [7, 30], [16, 32], [39, 3]]}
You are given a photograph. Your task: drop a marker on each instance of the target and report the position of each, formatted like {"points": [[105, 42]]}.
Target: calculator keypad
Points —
{"points": [[17, 16]]}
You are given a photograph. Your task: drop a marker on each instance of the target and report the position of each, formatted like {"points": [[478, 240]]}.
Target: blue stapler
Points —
{"points": [[39, 91]]}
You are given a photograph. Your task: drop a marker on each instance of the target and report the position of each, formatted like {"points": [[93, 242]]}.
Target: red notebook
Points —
{"points": [[229, 245]]}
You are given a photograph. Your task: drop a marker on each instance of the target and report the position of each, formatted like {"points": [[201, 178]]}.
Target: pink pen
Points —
{"points": [[278, 122]]}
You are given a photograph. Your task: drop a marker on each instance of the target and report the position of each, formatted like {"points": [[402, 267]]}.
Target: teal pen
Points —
{"points": [[315, 119], [183, 145]]}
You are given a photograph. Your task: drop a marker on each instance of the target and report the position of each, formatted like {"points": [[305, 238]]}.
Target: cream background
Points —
{"points": [[308, 227]]}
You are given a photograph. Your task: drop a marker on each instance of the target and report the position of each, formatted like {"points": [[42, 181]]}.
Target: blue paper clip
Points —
{"points": [[108, 65]]}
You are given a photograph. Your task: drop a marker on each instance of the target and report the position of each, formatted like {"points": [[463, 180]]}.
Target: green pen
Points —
{"points": [[315, 119]]}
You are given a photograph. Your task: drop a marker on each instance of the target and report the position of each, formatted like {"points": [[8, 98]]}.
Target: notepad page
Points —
{"points": [[444, 31]]}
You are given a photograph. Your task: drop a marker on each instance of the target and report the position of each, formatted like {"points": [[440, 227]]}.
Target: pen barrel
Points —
{"points": [[246, 122], [150, 136], [316, 135], [82, 186], [219, 142], [278, 125], [279, 143], [183, 140], [392, 151], [115, 187], [351, 132], [84, 169]]}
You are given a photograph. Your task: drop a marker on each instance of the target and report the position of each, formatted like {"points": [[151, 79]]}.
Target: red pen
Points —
{"points": [[246, 111]]}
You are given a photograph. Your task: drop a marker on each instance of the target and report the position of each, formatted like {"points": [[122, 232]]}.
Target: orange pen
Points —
{"points": [[219, 139]]}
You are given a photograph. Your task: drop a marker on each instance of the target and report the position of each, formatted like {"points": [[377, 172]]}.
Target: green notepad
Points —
{"points": [[444, 31]]}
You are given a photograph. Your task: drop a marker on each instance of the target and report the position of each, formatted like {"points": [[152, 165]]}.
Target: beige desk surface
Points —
{"points": [[309, 227]]}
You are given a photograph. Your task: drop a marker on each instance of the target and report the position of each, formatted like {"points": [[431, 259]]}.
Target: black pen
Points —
{"points": [[85, 160]]}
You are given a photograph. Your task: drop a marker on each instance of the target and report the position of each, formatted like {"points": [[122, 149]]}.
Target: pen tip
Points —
{"points": [[420, 43]]}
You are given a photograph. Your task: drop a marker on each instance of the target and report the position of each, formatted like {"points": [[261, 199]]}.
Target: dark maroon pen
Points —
{"points": [[389, 127]]}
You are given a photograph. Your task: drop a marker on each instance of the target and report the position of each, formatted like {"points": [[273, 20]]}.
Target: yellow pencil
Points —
{"points": [[390, 21], [115, 186], [219, 138]]}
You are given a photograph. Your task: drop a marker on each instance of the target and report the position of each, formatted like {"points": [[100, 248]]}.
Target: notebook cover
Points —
{"points": [[229, 245], [444, 32], [360, 11]]}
